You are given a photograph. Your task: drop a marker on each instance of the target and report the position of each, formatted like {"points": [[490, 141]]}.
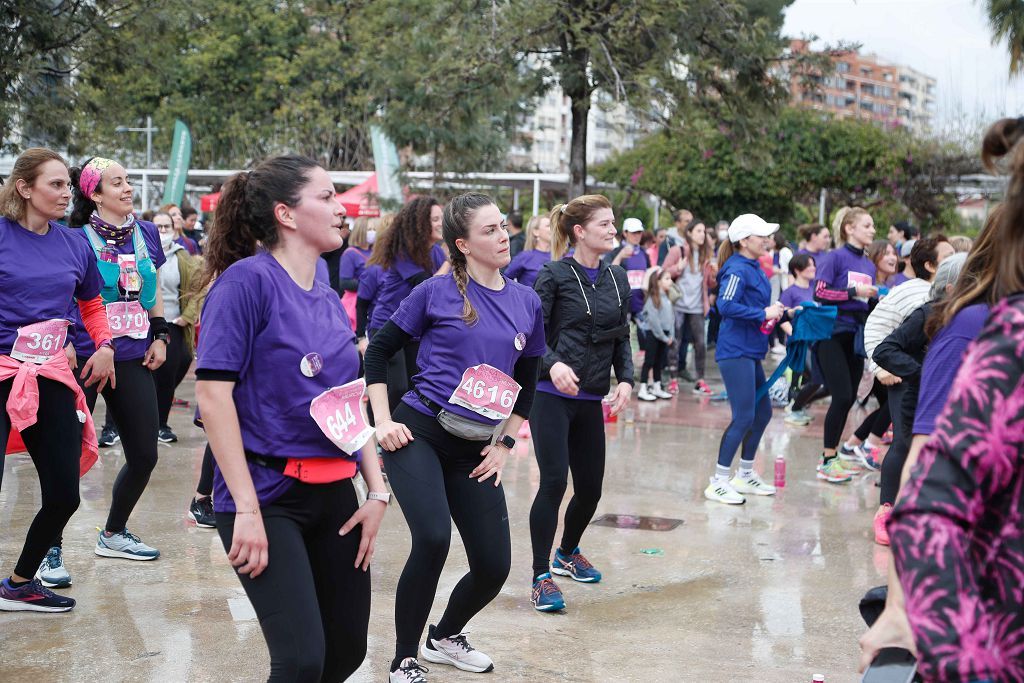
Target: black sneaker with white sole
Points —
{"points": [[201, 512], [165, 435], [108, 437]]}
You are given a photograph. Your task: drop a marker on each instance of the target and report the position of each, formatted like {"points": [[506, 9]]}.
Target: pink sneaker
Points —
{"points": [[702, 388], [881, 517]]}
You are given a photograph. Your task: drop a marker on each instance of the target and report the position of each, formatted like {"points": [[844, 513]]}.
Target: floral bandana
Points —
{"points": [[91, 174], [119, 234]]}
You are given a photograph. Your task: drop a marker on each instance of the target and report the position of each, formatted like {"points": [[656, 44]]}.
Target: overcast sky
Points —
{"points": [[947, 39]]}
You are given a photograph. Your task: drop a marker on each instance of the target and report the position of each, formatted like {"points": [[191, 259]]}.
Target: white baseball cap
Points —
{"points": [[632, 225], [750, 224]]}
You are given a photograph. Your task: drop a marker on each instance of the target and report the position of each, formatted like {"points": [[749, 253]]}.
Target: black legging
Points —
{"points": [[655, 358], [568, 435], [877, 422], [430, 478], [169, 375], [205, 485], [133, 406], [312, 603], [902, 402], [54, 443], [841, 368]]}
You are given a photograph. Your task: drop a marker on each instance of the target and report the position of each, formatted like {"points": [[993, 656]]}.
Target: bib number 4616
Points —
{"points": [[486, 391]]}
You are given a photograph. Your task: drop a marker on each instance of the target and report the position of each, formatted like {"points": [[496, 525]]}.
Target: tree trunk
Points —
{"points": [[578, 144]]}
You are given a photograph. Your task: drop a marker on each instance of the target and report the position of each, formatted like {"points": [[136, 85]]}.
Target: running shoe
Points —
{"points": [[658, 392], [576, 566], [701, 387], [455, 651], [165, 435], [546, 596], [409, 671], [201, 512], [673, 387], [723, 492], [645, 395], [125, 545], [834, 472], [179, 403], [799, 418], [108, 437], [752, 484], [881, 518], [32, 597], [52, 573], [720, 396], [887, 438], [858, 458]]}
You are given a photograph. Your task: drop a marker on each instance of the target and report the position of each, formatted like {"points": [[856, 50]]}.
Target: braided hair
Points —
{"points": [[455, 226]]}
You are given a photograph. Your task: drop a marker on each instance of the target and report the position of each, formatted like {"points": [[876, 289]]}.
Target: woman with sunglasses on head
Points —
{"points": [[586, 304], [281, 404], [129, 257], [43, 266], [481, 339]]}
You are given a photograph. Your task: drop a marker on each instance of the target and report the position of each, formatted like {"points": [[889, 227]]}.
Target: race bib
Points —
{"points": [[38, 342], [636, 278], [853, 279], [338, 412], [486, 391], [128, 319]]}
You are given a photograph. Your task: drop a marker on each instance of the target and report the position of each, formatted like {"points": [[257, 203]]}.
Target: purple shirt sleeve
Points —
{"points": [[411, 315], [231, 318]]}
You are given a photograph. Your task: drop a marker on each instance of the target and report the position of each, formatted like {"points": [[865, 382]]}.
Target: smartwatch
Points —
{"points": [[382, 497], [506, 441]]}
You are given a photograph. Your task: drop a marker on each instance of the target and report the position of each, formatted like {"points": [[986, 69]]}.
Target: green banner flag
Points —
{"points": [[177, 167]]}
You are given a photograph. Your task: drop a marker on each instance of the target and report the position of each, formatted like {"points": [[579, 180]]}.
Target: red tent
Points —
{"points": [[208, 202], [361, 200]]}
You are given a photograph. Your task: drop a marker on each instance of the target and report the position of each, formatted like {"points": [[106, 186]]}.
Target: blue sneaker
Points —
{"points": [[52, 573], [125, 545], [546, 597], [32, 597], [576, 566]]}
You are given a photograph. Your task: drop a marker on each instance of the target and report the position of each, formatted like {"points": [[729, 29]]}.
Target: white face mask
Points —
{"points": [[371, 237], [166, 240], [723, 235]]}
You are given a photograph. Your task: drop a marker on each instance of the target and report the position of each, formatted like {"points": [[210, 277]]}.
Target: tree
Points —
{"points": [[1006, 18]]}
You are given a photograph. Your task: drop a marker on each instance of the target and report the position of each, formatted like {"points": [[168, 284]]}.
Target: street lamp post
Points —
{"points": [[148, 130]]}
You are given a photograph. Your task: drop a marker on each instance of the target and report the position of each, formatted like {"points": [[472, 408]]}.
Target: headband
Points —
{"points": [[91, 174]]}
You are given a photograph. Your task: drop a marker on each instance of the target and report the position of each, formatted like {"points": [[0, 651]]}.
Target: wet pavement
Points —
{"points": [[767, 591]]}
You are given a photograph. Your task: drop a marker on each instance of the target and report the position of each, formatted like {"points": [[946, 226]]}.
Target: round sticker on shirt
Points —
{"points": [[520, 341], [311, 364]]}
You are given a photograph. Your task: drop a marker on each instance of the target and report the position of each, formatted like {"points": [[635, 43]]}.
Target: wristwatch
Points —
{"points": [[165, 337], [506, 441], [382, 497]]}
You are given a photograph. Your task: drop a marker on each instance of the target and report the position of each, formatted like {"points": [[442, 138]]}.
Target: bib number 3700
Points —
{"points": [[38, 342], [338, 412], [486, 391], [128, 319]]}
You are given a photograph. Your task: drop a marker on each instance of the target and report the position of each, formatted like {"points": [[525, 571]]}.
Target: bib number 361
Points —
{"points": [[338, 412], [486, 391], [38, 342], [128, 319]]}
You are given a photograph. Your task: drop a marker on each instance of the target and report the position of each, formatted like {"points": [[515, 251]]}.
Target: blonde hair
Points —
{"points": [[564, 216], [961, 243], [357, 238], [27, 167], [846, 216], [531, 227]]}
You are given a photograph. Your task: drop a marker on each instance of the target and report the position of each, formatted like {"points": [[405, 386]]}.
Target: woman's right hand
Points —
{"points": [[393, 435], [249, 553], [891, 629], [774, 312], [866, 291], [564, 379]]}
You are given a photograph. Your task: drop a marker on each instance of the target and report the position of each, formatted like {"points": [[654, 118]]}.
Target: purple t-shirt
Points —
{"points": [[943, 361], [796, 295], [897, 279], [636, 262], [259, 323], [39, 275], [526, 265], [437, 256], [839, 270], [353, 262], [392, 290], [125, 348], [448, 346]]}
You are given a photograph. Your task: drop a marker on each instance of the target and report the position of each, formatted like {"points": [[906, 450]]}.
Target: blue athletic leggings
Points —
{"points": [[742, 377]]}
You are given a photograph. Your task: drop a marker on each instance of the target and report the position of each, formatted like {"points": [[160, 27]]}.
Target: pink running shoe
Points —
{"points": [[881, 517]]}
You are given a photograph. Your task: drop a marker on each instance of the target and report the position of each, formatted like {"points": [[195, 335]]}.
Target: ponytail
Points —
{"points": [[82, 207], [564, 217], [455, 226], [726, 250], [244, 220]]}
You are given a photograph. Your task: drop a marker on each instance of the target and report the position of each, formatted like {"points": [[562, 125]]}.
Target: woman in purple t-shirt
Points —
{"points": [[527, 264], [481, 340], [281, 403]]}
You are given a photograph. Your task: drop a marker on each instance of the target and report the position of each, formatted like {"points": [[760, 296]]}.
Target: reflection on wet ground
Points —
{"points": [[693, 590]]}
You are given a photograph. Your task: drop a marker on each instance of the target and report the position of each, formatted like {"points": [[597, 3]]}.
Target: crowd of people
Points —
{"points": [[420, 343]]}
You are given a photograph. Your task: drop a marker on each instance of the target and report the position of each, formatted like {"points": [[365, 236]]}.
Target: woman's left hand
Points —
{"points": [[156, 355], [369, 515], [891, 629], [620, 398], [494, 456]]}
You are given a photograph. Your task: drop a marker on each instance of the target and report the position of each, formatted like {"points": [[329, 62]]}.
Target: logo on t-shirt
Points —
{"points": [[520, 341], [311, 364]]}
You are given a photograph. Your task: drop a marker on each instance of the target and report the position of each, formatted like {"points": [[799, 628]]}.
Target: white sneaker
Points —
{"points": [[409, 671], [752, 484], [723, 492], [658, 392], [645, 395], [455, 651]]}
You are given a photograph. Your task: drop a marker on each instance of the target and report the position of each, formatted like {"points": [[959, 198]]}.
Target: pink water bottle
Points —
{"points": [[768, 325], [108, 253], [780, 472]]}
